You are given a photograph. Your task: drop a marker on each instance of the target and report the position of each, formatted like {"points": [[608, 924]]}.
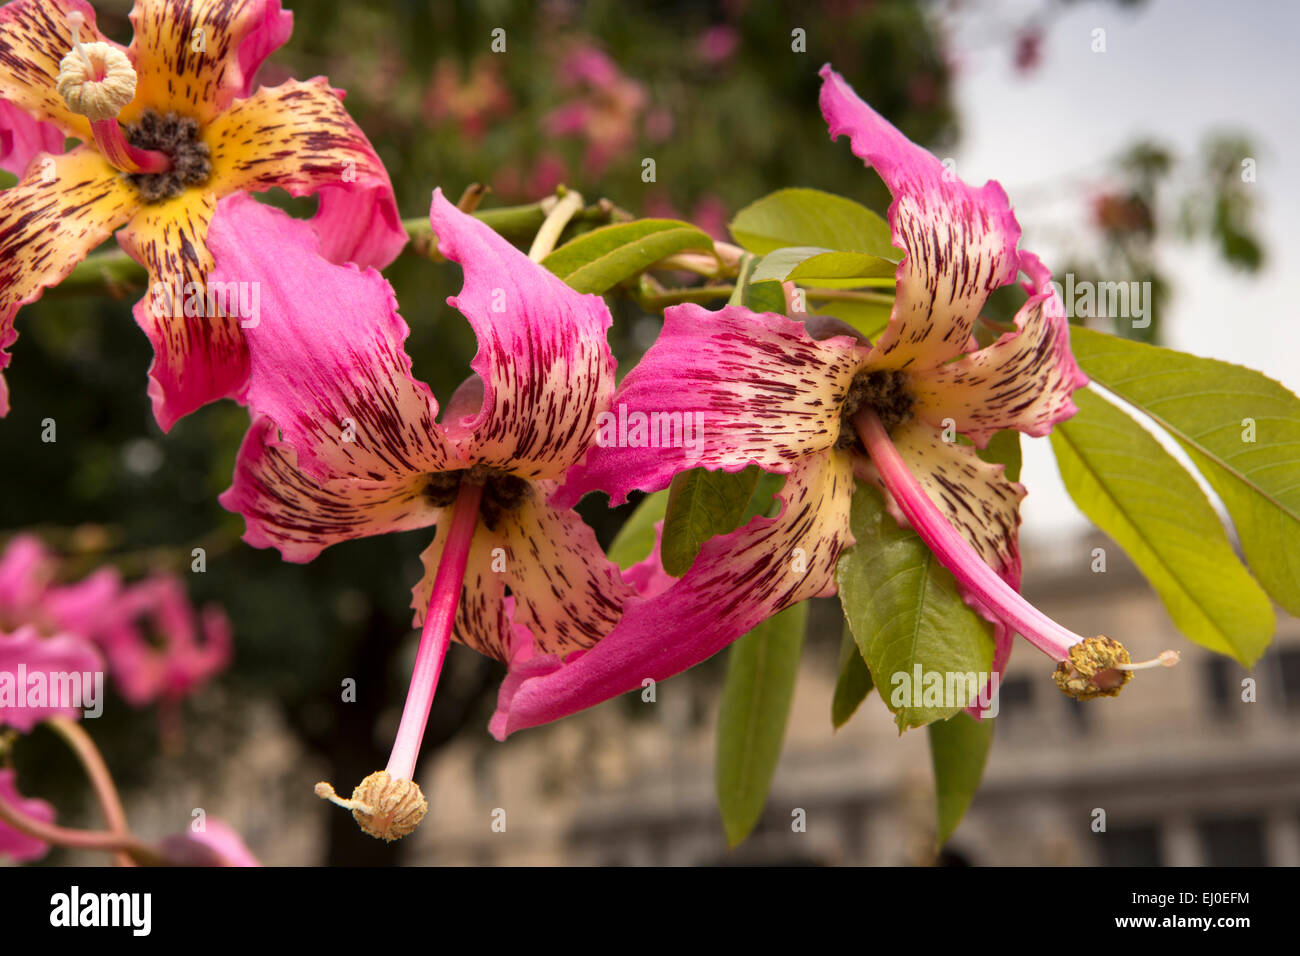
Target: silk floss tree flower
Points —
{"points": [[347, 444], [804, 400], [168, 127]]}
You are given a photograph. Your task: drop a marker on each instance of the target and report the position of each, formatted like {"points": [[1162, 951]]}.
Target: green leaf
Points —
{"points": [[810, 217], [959, 748], [853, 683], [597, 261], [765, 296], [1135, 491], [812, 266], [905, 612], [636, 539], [1004, 449], [7, 179], [761, 672], [1206, 405], [869, 318], [702, 503]]}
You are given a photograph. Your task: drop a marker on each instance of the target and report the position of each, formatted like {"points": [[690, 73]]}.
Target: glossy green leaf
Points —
{"points": [[906, 613], [1135, 491], [813, 266], [765, 296], [959, 748], [1004, 449], [1209, 407], [810, 217], [761, 671], [869, 318], [702, 503], [598, 260], [636, 539], [7, 179], [852, 683]]}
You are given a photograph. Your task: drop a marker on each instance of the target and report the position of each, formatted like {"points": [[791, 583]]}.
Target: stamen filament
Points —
{"points": [[121, 154], [954, 551], [436, 634]]}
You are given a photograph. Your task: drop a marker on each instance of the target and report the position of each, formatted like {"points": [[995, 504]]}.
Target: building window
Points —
{"points": [[1015, 698], [1233, 841], [1222, 689], [1288, 672], [1131, 846]]}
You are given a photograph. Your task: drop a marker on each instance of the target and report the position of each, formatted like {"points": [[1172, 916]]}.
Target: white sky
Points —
{"points": [[1174, 70]]}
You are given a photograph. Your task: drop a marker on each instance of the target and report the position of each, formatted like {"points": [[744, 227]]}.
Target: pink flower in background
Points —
{"points": [[217, 844], [470, 103], [176, 661], [717, 44], [709, 212], [158, 647], [31, 685], [605, 111], [19, 846]]}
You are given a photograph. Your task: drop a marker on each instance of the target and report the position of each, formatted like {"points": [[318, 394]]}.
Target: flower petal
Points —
{"points": [[960, 242], [973, 495], [299, 137], [217, 844], [723, 390], [22, 138], [34, 36], [327, 363], [546, 368], [26, 570], [47, 225], [738, 580], [194, 56], [48, 656], [19, 846], [360, 225], [566, 593], [286, 509], [1023, 380], [199, 351]]}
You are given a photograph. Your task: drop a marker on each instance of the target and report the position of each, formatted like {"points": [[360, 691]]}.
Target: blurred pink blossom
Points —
{"points": [[717, 44], [470, 103], [605, 110], [19, 846]]}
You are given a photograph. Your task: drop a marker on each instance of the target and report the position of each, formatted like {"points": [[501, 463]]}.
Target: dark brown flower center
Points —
{"points": [[502, 491], [177, 137], [884, 392]]}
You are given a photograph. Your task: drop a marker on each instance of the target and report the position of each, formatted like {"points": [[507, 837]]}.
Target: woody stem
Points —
{"points": [[97, 772]]}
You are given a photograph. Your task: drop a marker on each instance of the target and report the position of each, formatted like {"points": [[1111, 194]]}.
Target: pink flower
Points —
{"points": [[821, 407], [176, 661], [22, 138], [217, 844], [347, 444], [19, 846], [37, 674], [166, 132], [717, 44]]}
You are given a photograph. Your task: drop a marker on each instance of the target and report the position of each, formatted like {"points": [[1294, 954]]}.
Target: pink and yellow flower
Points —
{"points": [[820, 407], [184, 128]]}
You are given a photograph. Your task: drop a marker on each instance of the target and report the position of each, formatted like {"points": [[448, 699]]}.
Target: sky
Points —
{"points": [[1173, 70]]}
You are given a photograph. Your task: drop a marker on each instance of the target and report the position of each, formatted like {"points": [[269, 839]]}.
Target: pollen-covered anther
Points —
{"points": [[1097, 667], [95, 79], [884, 391], [386, 808]]}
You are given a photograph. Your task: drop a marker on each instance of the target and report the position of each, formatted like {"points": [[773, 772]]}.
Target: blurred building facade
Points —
{"points": [[1198, 765]]}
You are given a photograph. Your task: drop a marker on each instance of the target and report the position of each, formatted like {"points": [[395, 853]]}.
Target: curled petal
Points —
{"points": [[198, 346], [738, 580], [48, 223], [547, 371], [19, 846], [1023, 380], [194, 57], [719, 390], [960, 242], [217, 844], [49, 664], [26, 570], [327, 363], [287, 509], [22, 138], [565, 593], [299, 137], [34, 36]]}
